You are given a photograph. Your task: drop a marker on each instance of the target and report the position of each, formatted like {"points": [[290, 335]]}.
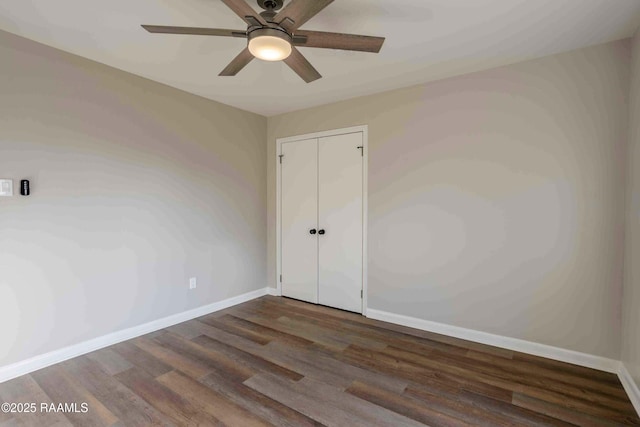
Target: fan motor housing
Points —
{"points": [[273, 32], [270, 4]]}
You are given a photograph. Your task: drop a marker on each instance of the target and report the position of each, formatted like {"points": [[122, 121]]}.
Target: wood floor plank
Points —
{"points": [[5, 417], [63, 388], [567, 377], [187, 330], [300, 313], [336, 330], [504, 378], [272, 355], [307, 332], [417, 345], [363, 409], [423, 375], [110, 361], [522, 416], [25, 420], [247, 359], [279, 354], [193, 367], [284, 304], [180, 410], [214, 360], [402, 405], [431, 336], [210, 401], [327, 363], [268, 409], [446, 400], [266, 331], [579, 389], [235, 330], [562, 413], [567, 367], [259, 311], [587, 402], [281, 305], [326, 404], [19, 388], [228, 338], [25, 389], [141, 359], [121, 401], [318, 411], [281, 362]]}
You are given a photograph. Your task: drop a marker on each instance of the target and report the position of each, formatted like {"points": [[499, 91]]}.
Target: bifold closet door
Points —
{"points": [[340, 221], [299, 220]]}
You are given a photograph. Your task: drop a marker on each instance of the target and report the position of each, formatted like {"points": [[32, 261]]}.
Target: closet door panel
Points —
{"points": [[299, 200], [340, 216]]}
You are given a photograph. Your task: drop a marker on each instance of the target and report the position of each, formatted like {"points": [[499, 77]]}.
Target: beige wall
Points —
{"points": [[135, 188], [496, 199], [631, 309]]}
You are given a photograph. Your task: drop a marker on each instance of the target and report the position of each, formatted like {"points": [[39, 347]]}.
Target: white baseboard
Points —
{"points": [[273, 291], [23, 367], [630, 386], [536, 349]]}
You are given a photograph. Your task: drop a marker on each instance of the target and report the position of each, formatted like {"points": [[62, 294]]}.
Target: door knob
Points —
{"points": [[312, 231], [320, 231]]}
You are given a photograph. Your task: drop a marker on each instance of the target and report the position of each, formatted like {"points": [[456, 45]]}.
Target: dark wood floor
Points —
{"points": [[275, 361]]}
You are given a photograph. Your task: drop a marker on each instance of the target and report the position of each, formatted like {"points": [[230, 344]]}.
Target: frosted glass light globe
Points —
{"points": [[271, 46]]}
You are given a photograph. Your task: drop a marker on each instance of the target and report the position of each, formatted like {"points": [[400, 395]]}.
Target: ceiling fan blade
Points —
{"points": [[163, 29], [299, 11], [242, 9], [238, 63], [298, 63], [339, 41]]}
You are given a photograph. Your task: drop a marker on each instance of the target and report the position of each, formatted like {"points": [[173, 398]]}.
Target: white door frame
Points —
{"points": [[364, 129]]}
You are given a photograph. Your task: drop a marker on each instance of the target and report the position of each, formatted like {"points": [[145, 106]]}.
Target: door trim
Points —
{"points": [[364, 129]]}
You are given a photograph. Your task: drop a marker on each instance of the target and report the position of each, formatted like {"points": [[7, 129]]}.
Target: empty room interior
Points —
{"points": [[320, 213]]}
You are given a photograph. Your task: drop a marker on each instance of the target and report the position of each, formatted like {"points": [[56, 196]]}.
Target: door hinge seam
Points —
{"points": [[281, 278]]}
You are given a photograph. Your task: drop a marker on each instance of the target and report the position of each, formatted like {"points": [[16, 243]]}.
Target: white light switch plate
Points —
{"points": [[6, 187]]}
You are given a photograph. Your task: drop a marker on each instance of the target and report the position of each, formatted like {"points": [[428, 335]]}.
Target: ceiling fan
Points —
{"points": [[273, 36]]}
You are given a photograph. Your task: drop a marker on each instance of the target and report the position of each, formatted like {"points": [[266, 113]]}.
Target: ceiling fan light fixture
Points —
{"points": [[269, 44], [270, 35]]}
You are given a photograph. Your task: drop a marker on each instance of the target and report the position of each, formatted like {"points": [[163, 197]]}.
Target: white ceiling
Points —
{"points": [[426, 40]]}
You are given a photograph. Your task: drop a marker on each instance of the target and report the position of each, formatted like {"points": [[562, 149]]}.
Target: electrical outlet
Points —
{"points": [[192, 283]]}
